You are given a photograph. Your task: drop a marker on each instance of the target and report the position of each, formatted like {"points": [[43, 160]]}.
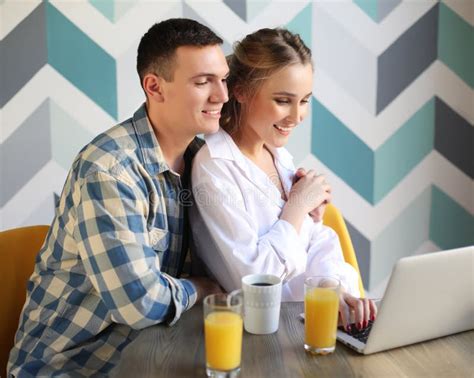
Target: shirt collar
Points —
{"points": [[221, 145]]}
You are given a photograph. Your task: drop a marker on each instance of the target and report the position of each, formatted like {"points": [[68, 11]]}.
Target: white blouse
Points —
{"points": [[236, 225]]}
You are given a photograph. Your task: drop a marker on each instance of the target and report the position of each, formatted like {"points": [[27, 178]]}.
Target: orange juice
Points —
{"points": [[321, 307], [223, 334]]}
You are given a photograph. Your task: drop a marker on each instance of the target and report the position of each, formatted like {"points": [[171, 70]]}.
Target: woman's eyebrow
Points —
{"points": [[289, 94]]}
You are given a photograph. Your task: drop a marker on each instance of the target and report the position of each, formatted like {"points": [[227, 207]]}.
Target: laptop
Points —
{"points": [[428, 296]]}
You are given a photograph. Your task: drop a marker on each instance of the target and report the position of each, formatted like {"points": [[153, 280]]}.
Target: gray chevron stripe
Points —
{"points": [[385, 7], [407, 58], [25, 152], [362, 248], [24, 52], [454, 137], [238, 7]]}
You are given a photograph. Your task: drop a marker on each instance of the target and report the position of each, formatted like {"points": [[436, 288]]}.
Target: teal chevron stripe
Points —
{"points": [[342, 151], [301, 24], [372, 174], [369, 7], [451, 226], [67, 136], [404, 150], [113, 9], [377, 10], [106, 7], [81, 61], [400, 238], [456, 44]]}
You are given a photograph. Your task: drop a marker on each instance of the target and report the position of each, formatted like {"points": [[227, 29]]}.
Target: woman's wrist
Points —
{"points": [[293, 216]]}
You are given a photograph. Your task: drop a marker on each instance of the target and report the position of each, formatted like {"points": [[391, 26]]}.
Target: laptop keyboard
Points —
{"points": [[360, 334]]}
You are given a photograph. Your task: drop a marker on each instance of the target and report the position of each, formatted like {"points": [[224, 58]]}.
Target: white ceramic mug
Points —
{"points": [[262, 300]]}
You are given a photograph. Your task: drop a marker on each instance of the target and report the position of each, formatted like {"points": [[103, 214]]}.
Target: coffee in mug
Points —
{"points": [[262, 299]]}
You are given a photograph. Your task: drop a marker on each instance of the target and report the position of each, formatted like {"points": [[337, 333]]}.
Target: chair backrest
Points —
{"points": [[18, 248], [333, 218]]}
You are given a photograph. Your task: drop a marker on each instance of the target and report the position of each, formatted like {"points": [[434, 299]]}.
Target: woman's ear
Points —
{"points": [[153, 86], [240, 95]]}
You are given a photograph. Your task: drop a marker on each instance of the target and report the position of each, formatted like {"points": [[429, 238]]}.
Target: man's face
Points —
{"points": [[194, 99]]}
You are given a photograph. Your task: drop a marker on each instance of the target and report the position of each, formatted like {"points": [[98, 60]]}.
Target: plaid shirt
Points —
{"points": [[107, 266]]}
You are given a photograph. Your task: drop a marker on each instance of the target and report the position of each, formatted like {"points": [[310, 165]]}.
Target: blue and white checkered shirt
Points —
{"points": [[107, 266]]}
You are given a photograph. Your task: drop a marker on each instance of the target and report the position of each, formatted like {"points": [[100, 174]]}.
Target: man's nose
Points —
{"points": [[220, 93]]}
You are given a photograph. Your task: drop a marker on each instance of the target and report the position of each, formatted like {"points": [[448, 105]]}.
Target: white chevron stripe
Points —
{"points": [[357, 77], [372, 220], [115, 38], [16, 11], [48, 179], [427, 247], [231, 27], [464, 8], [48, 83], [438, 80], [129, 92], [379, 289], [376, 37]]}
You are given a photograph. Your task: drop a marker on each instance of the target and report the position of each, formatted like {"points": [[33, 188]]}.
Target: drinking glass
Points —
{"points": [[321, 308], [223, 328]]}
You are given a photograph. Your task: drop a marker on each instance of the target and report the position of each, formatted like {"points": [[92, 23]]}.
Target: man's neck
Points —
{"points": [[173, 144]]}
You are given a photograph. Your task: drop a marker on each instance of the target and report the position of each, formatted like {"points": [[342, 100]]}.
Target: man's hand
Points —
{"points": [[204, 287]]}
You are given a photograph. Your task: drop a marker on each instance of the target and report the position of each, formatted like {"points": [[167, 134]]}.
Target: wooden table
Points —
{"points": [[178, 351]]}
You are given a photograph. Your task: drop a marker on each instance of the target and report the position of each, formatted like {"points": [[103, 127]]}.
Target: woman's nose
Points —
{"points": [[296, 114]]}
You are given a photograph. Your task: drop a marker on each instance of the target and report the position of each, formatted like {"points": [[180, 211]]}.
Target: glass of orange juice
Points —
{"points": [[321, 309], [223, 327]]}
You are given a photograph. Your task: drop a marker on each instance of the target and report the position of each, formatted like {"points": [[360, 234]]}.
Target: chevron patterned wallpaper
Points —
{"points": [[392, 113]]}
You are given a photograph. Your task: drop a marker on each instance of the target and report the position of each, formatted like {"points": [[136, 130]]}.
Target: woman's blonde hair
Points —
{"points": [[258, 56]]}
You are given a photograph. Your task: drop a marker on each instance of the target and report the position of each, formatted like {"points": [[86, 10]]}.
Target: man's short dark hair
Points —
{"points": [[158, 46]]}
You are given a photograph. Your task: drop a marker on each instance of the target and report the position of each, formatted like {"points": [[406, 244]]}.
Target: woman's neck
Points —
{"points": [[249, 144]]}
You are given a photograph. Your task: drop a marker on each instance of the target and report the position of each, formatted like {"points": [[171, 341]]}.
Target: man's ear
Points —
{"points": [[153, 86]]}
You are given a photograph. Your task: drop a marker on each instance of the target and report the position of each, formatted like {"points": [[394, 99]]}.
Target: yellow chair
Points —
{"points": [[18, 249], [333, 218]]}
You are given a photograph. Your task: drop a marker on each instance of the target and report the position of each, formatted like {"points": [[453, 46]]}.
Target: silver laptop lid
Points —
{"points": [[428, 296]]}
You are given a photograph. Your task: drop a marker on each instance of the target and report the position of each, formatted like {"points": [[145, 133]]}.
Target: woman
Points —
{"points": [[253, 212]]}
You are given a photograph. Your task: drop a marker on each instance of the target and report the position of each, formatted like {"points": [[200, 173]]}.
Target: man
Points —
{"points": [[118, 241]]}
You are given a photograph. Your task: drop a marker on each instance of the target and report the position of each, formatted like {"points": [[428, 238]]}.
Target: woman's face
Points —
{"points": [[279, 106]]}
